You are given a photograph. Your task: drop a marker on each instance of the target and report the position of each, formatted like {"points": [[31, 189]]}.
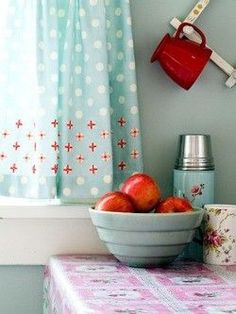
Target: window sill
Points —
{"points": [[30, 234]]}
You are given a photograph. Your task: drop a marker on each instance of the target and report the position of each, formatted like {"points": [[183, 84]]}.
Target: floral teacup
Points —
{"points": [[219, 244]]}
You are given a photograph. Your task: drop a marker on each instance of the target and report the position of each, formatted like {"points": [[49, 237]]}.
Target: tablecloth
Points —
{"points": [[75, 284]]}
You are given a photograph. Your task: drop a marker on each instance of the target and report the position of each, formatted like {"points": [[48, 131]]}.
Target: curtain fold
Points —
{"points": [[69, 118]]}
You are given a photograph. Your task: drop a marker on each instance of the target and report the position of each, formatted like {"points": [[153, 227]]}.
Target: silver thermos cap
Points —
{"points": [[194, 152]]}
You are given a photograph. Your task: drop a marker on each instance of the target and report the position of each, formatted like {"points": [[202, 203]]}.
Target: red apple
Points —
{"points": [[115, 202], [143, 190], [174, 204]]}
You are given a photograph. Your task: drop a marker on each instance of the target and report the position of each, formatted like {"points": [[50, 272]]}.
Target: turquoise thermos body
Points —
{"points": [[194, 179]]}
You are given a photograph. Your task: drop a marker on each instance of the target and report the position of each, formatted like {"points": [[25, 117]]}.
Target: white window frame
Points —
{"points": [[30, 234]]}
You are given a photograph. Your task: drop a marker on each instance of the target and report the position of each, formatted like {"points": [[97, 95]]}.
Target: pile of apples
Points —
{"points": [[140, 193]]}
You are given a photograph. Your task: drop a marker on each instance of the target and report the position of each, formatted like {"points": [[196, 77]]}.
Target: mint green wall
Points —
{"points": [[166, 111]]}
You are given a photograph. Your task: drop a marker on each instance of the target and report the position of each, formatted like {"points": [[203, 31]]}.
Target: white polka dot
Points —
{"points": [[80, 180], [120, 55], [133, 88], [82, 12], [101, 89], [107, 2], [95, 22], [12, 190], [86, 57], [109, 46], [63, 68], [78, 69], [52, 11], [88, 80], [79, 114], [121, 100], [119, 34], [94, 191], [42, 180], [78, 92], [41, 45], [129, 20], [108, 24], [110, 67], [134, 110], [78, 48], [65, 45], [132, 65], [66, 191], [99, 66], [61, 13], [53, 55], [77, 26], [107, 179], [120, 77], [118, 11], [103, 111], [41, 67], [1, 178], [130, 43], [53, 33], [90, 102], [93, 2], [83, 35], [98, 44]]}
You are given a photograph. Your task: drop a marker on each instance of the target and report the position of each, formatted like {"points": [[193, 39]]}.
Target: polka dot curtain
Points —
{"points": [[69, 123]]}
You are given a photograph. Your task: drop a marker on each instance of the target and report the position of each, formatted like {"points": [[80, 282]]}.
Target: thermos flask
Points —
{"points": [[194, 179]]}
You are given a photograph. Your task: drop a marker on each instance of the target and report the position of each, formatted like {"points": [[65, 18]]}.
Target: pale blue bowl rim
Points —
{"points": [[196, 210]]}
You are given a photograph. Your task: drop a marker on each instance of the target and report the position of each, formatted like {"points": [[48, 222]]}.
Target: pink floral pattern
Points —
{"points": [[78, 284]]}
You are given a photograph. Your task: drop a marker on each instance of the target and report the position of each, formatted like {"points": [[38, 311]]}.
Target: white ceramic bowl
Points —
{"points": [[145, 240]]}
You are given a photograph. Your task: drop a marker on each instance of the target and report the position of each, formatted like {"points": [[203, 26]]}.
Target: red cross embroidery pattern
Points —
{"points": [[92, 146], [42, 135], [122, 165], [16, 145], [121, 121], [104, 134], [67, 169], [69, 125], [93, 169], [121, 143], [79, 136], [91, 124], [26, 157], [2, 156], [68, 147], [42, 158], [134, 154], [34, 169], [54, 123], [13, 168], [29, 135], [18, 124], [55, 146], [134, 132], [5, 134], [80, 158], [54, 168], [105, 156]]}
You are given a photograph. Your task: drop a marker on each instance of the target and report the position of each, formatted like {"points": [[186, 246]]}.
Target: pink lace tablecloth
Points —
{"points": [[100, 284]]}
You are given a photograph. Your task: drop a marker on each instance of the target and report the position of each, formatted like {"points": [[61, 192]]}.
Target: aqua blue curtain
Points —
{"points": [[69, 120]]}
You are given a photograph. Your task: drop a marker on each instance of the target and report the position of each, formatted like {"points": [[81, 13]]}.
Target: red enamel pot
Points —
{"points": [[183, 60]]}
